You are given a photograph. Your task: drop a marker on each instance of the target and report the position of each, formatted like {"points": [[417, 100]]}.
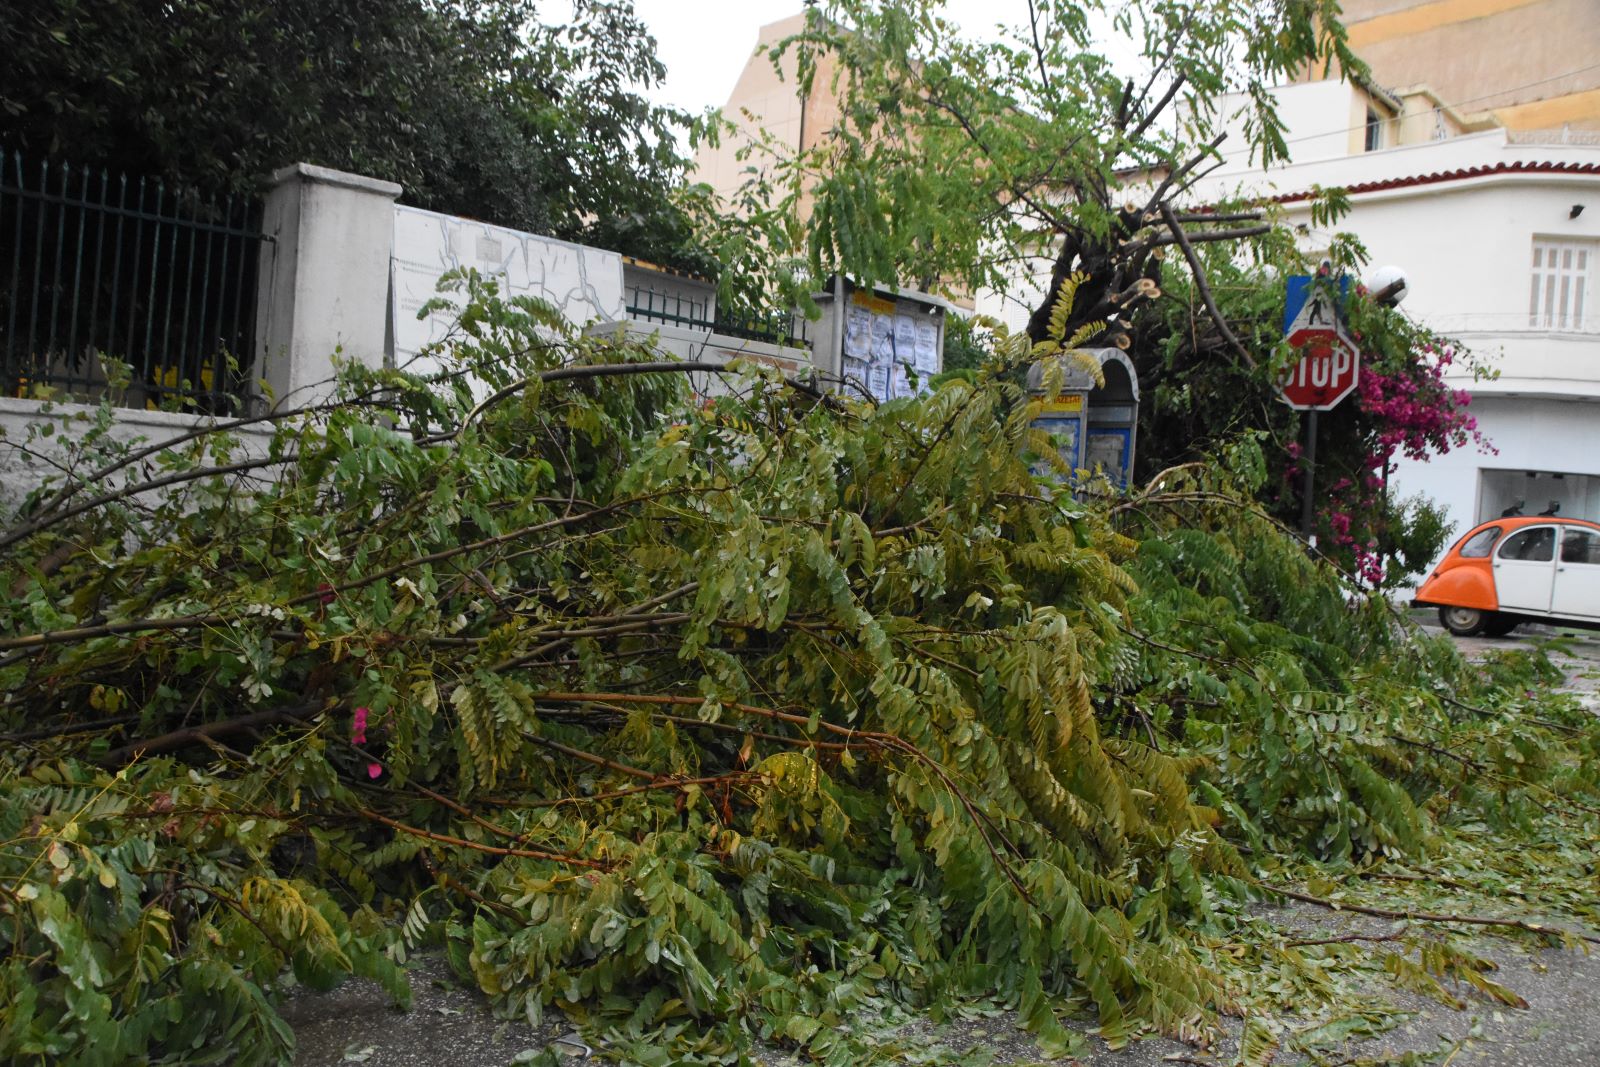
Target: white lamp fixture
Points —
{"points": [[1383, 278]]}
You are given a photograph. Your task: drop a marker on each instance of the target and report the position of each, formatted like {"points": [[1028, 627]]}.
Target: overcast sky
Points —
{"points": [[705, 43]]}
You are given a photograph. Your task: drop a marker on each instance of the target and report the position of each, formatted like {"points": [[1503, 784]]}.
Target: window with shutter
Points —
{"points": [[1559, 298]]}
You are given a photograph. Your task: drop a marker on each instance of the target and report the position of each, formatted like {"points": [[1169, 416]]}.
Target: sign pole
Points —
{"points": [[1307, 498]]}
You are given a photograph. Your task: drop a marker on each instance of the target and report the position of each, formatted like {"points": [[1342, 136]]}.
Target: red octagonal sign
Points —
{"points": [[1327, 372]]}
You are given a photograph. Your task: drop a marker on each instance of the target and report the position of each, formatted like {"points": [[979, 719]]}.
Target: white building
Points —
{"points": [[1497, 233]]}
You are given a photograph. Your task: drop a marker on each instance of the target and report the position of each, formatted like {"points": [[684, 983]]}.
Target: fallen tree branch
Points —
{"points": [[476, 846], [983, 824], [1202, 288], [1430, 917], [208, 731]]}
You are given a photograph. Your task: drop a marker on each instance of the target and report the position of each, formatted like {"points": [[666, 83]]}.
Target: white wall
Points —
{"points": [[27, 459], [1320, 118], [1467, 249], [324, 278], [583, 283], [1466, 245], [1556, 436]]}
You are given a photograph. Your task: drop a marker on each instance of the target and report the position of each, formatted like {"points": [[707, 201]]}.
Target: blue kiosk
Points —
{"points": [[1095, 424]]}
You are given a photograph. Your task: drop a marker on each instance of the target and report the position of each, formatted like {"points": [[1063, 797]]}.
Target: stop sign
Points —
{"points": [[1327, 371]]}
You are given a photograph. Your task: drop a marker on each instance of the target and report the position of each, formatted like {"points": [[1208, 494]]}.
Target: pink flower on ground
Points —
{"points": [[358, 727], [374, 769]]}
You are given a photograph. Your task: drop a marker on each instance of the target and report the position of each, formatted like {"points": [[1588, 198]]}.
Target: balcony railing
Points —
{"points": [[675, 309], [1512, 322]]}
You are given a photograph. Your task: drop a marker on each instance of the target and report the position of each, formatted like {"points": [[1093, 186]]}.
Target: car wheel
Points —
{"points": [[1463, 622], [1499, 626]]}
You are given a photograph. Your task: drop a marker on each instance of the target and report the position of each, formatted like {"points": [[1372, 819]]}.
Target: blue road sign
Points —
{"points": [[1300, 289]]}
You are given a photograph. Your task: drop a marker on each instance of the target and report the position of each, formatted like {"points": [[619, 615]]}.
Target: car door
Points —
{"points": [[1577, 585], [1525, 571]]}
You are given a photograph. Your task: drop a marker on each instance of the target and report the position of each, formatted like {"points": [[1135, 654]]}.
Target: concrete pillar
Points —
{"points": [[324, 280]]}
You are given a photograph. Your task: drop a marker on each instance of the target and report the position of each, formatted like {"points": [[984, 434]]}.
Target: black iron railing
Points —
{"points": [[677, 309], [99, 269]]}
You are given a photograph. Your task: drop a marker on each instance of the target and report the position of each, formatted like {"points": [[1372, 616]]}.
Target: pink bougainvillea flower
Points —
{"points": [[374, 769], [358, 727], [327, 592]]}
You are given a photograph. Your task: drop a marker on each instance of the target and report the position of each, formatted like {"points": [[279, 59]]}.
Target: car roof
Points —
{"points": [[1515, 521]]}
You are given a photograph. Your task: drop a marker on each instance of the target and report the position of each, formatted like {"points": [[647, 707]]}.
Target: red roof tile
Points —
{"points": [[1462, 174]]}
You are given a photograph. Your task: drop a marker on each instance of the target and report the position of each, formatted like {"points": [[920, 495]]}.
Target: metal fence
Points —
{"points": [[98, 269], [675, 309]]}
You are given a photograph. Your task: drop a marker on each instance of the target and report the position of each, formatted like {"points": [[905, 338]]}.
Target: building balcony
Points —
{"points": [[1529, 360]]}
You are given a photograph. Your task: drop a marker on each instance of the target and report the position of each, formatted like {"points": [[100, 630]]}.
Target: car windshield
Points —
{"points": [[1537, 545]]}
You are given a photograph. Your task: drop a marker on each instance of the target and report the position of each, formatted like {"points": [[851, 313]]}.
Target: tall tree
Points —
{"points": [[974, 163], [1015, 164], [475, 106]]}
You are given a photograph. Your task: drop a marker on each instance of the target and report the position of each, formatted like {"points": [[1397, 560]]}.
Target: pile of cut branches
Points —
{"points": [[763, 715]]}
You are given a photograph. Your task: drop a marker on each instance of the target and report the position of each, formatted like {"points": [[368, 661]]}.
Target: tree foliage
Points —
{"points": [[960, 162], [708, 724], [1195, 397], [1008, 166], [476, 108]]}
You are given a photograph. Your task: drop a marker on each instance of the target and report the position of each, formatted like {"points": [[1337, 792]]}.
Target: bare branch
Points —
{"points": [[1161, 105], [1202, 288]]}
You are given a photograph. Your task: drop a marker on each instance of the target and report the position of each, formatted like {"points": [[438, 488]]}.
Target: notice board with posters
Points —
{"points": [[892, 344]]}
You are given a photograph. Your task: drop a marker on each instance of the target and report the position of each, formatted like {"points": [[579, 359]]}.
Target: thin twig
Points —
{"points": [[1430, 917], [476, 846]]}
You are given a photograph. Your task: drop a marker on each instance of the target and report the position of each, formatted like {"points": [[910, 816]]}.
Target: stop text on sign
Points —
{"points": [[1326, 372]]}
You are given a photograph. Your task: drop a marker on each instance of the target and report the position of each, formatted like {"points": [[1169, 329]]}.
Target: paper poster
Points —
{"points": [[858, 333], [905, 338], [878, 379], [855, 369], [882, 338], [927, 352], [899, 382]]}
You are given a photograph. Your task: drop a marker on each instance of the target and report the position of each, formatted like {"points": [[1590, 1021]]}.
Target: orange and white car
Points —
{"points": [[1515, 570]]}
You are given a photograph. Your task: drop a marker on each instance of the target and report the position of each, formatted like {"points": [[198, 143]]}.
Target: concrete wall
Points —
{"points": [[324, 280], [583, 283], [26, 459], [1529, 63], [660, 295], [695, 345]]}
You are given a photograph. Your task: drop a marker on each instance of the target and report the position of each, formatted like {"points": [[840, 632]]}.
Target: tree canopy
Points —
{"points": [[1010, 166], [476, 107], [960, 161]]}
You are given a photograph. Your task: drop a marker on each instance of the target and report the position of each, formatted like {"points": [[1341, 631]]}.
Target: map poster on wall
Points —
{"points": [[1067, 430]]}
